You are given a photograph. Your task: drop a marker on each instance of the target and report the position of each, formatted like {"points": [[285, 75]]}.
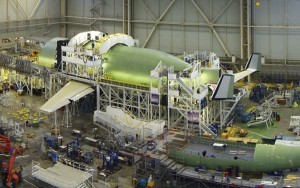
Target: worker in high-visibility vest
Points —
{"points": [[150, 183]]}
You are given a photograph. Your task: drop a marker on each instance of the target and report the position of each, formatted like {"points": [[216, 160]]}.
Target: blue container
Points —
{"points": [[142, 183]]}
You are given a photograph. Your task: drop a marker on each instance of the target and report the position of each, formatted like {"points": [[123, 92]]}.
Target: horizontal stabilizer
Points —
{"points": [[224, 88], [253, 65]]}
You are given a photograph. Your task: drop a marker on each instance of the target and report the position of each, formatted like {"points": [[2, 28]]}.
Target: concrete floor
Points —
{"points": [[34, 150], [279, 127], [84, 122]]}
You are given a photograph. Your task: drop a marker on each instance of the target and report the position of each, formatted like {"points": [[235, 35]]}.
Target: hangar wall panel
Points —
{"points": [[83, 15], [183, 28], [276, 29], [167, 25], [79, 7], [170, 26], [29, 18], [205, 25]]}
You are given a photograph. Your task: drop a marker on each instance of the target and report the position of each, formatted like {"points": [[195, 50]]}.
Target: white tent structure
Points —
{"points": [[127, 124]]}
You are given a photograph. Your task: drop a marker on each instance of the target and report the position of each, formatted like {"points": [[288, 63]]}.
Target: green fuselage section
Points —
{"points": [[266, 158], [133, 65]]}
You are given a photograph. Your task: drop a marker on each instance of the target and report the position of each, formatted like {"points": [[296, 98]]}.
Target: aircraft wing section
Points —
{"points": [[82, 94], [224, 88], [51, 106], [253, 65], [71, 91]]}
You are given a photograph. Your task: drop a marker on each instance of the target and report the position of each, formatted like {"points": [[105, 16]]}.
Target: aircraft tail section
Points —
{"points": [[254, 62], [224, 88], [253, 65]]}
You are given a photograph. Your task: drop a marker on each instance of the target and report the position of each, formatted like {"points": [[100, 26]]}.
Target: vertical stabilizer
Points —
{"points": [[254, 62], [253, 65], [224, 88]]}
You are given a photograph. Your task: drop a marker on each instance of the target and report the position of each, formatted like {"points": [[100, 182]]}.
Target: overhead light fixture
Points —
{"points": [[257, 3]]}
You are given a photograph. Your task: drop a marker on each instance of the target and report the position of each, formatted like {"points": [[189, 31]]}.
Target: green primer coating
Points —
{"points": [[209, 75], [48, 52], [133, 65], [266, 158]]}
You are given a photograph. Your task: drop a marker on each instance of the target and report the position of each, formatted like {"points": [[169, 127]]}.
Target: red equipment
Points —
{"points": [[14, 176], [4, 144]]}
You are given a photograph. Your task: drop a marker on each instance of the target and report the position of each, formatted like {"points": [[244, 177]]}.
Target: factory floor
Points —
{"points": [[14, 112], [20, 106], [278, 128]]}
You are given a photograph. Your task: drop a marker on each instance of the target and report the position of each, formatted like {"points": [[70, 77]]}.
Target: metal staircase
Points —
{"points": [[87, 183], [186, 100], [227, 107], [119, 138], [184, 86], [206, 128], [83, 185], [265, 116]]}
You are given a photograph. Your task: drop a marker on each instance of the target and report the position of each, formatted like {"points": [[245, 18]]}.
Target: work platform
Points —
{"points": [[62, 176]]}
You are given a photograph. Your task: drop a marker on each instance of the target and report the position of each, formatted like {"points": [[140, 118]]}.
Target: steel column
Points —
{"points": [[157, 22], [211, 27]]}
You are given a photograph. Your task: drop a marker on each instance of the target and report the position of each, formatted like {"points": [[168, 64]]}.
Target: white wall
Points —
{"points": [[275, 23], [78, 12], [29, 18], [277, 29], [182, 28]]}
